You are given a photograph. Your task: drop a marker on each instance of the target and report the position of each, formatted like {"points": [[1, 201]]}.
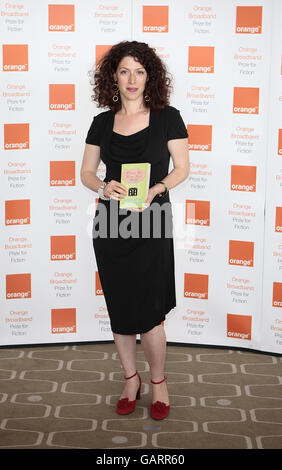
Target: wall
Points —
{"points": [[225, 59]]}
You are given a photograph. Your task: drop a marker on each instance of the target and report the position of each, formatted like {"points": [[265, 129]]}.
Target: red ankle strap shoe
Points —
{"points": [[124, 406], [159, 410]]}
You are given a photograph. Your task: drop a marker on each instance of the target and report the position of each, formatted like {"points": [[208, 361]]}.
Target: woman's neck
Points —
{"points": [[132, 107]]}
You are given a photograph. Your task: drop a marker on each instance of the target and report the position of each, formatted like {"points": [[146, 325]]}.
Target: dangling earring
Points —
{"points": [[147, 98], [116, 89]]}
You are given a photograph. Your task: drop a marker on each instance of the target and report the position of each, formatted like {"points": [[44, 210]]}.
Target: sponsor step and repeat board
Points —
{"points": [[225, 58]]}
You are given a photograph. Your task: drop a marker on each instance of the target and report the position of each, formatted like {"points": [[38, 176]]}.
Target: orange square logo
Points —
{"points": [[278, 220], [239, 326], [241, 253], [16, 136], [18, 286], [98, 286], [17, 212], [63, 320], [61, 97], [201, 59], [280, 142], [196, 286], [248, 19], [100, 51], [61, 18], [62, 173], [63, 248], [243, 178], [197, 212], [200, 137], [15, 57], [245, 100], [155, 19], [277, 294]]}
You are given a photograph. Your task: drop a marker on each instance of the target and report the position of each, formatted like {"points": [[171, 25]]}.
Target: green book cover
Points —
{"points": [[135, 177]]}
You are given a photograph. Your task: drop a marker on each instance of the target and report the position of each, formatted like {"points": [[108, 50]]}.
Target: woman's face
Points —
{"points": [[131, 78]]}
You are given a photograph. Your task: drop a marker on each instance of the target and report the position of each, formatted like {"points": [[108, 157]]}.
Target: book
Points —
{"points": [[136, 178]]}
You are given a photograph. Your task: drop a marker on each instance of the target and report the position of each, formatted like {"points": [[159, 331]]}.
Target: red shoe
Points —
{"points": [[159, 410], [124, 406]]}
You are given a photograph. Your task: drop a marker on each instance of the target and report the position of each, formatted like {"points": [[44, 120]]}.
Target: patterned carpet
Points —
{"points": [[64, 396]]}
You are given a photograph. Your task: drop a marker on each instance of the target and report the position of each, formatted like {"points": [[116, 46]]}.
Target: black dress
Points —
{"points": [[137, 272]]}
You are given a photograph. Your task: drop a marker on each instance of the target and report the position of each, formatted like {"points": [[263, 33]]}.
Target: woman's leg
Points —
{"points": [[126, 348], [154, 346]]}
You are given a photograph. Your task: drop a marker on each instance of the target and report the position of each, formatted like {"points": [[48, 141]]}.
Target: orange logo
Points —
{"points": [[278, 220], [197, 212], [16, 136], [17, 212], [61, 18], [277, 294], [245, 100], [18, 286], [15, 57], [63, 247], [200, 137], [62, 97], [155, 19], [248, 20], [63, 320], [239, 326], [62, 173], [100, 51], [196, 286], [241, 253], [98, 288], [243, 178], [201, 59], [280, 142]]}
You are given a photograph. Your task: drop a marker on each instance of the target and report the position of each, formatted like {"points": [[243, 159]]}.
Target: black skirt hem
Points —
{"points": [[153, 325]]}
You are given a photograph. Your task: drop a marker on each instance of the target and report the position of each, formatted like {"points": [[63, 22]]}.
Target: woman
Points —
{"points": [[136, 273]]}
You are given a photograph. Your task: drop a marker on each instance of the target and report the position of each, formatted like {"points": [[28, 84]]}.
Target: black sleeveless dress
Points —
{"points": [[136, 271]]}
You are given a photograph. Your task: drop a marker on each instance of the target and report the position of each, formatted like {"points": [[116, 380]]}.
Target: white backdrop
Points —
{"points": [[225, 58]]}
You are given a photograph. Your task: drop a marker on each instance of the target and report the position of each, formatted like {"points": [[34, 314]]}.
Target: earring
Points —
{"points": [[147, 98], [116, 89]]}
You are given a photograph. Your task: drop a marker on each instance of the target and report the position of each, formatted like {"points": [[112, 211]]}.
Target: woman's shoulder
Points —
{"points": [[173, 123], [102, 116], [99, 122], [169, 113], [170, 110]]}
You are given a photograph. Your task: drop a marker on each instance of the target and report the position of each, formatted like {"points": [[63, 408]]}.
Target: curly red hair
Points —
{"points": [[158, 86]]}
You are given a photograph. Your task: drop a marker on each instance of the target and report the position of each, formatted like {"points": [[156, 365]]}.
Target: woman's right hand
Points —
{"points": [[115, 190]]}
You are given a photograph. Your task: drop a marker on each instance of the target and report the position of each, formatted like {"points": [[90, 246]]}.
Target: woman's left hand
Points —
{"points": [[153, 191]]}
